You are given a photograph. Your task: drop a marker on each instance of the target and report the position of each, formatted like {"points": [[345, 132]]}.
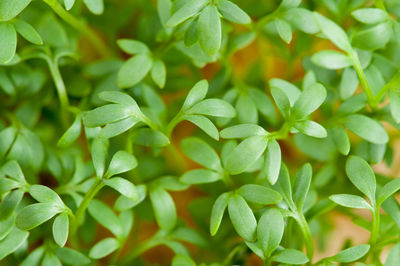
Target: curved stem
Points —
{"points": [[78, 25], [85, 203], [363, 79], [375, 227], [307, 235], [59, 83], [141, 248]]}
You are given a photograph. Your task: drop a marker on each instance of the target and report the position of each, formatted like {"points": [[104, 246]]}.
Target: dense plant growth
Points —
{"points": [[225, 132]]}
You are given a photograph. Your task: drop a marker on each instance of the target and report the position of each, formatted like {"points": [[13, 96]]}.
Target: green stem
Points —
{"points": [[380, 4], [307, 235], [394, 82], [139, 249], [363, 79], [78, 25], [79, 214], [59, 83], [375, 227]]}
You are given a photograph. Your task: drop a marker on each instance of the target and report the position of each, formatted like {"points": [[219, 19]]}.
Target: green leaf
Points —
{"points": [[45, 194], [191, 36], [246, 109], [11, 8], [348, 83], [350, 201], [134, 70], [288, 4], [6, 225], [209, 30], [270, 230], [395, 105], [117, 128], [164, 208], [123, 186], [284, 30], [370, 15], [217, 212], [8, 44], [388, 190], [158, 73], [290, 90], [200, 176], [393, 256], [242, 217], [121, 98], [123, 203], [341, 140], [331, 59], [60, 229], [362, 176], [106, 114], [272, 162], [170, 183], [132, 46], [246, 154], [27, 31], [282, 101], [373, 38], [188, 10], [95, 6], [99, 151], [69, 4], [259, 194], [232, 12], [104, 248], [50, 259], [351, 254], [182, 260], [302, 19], [196, 94], [302, 185], [13, 170], [72, 133], [34, 257], [34, 215], [290, 256], [311, 128], [149, 137], [7, 137], [71, 256], [333, 32], [367, 128], [243, 131], [200, 152], [9, 203], [121, 162], [309, 100], [105, 216], [12, 242], [283, 184], [204, 124]]}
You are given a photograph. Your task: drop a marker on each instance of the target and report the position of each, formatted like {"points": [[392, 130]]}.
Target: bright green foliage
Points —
{"points": [[226, 127]]}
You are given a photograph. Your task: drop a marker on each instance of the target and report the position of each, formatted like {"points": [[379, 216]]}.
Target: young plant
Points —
{"points": [[228, 132]]}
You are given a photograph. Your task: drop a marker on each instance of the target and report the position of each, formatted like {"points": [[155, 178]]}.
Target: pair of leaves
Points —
{"points": [[195, 109], [137, 67], [240, 213], [207, 27], [8, 35], [203, 154], [121, 161], [162, 202]]}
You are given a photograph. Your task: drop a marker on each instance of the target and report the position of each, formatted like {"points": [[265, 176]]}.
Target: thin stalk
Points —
{"points": [[363, 79], [139, 249], [85, 203], [307, 235], [375, 227], [59, 83], [394, 82], [78, 25]]}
